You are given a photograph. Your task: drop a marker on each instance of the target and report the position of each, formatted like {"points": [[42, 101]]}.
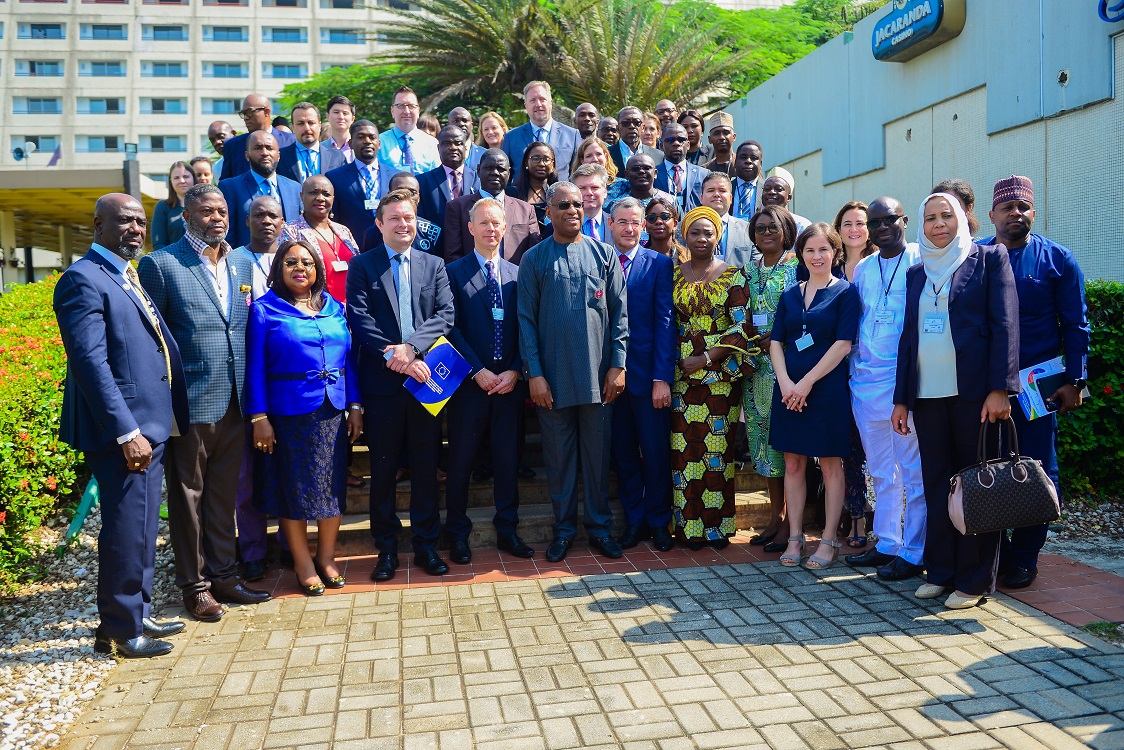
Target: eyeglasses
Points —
{"points": [[402, 106], [675, 139], [250, 112], [642, 168], [607, 129], [567, 205], [653, 218], [293, 263], [665, 111], [873, 222], [632, 123], [539, 159], [771, 229]]}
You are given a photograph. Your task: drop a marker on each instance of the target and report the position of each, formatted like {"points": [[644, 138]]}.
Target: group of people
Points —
{"points": [[645, 317]]}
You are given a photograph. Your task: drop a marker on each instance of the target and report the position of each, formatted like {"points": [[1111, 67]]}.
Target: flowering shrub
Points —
{"points": [[36, 468]]}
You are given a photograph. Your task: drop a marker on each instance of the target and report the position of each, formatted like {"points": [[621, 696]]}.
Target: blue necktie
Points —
{"points": [[722, 245], [306, 164], [368, 183], [405, 306], [407, 152], [746, 207], [266, 188], [497, 304], [541, 135]]}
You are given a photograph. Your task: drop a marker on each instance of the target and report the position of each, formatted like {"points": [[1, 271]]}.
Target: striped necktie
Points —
{"points": [[497, 304], [150, 311]]}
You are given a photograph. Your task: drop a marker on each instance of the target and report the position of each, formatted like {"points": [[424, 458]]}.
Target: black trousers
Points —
{"points": [[948, 430]]}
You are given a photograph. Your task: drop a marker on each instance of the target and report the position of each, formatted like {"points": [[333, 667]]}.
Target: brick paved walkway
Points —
{"points": [[743, 655]]}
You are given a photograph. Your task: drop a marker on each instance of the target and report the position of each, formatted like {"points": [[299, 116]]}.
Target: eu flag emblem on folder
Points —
{"points": [[448, 370]]}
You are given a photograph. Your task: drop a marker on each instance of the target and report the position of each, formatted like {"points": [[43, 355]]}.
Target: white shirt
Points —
{"points": [[874, 357], [262, 264]]}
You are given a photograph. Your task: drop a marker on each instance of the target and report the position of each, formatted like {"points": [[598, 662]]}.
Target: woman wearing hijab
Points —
{"points": [[958, 362]]}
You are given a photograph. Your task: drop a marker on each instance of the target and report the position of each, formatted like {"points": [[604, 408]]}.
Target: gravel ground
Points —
{"points": [[49, 671]]}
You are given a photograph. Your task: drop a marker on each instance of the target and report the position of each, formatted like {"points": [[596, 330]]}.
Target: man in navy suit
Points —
{"points": [[522, 231], [542, 127], [750, 179], [677, 176], [629, 122], [124, 397], [428, 232], [262, 179], [489, 408], [360, 184], [398, 305], [447, 182], [258, 116], [308, 156], [592, 180], [462, 118], [642, 414]]}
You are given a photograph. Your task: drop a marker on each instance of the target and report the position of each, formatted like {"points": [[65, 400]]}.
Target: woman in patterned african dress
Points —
{"points": [[710, 311]]}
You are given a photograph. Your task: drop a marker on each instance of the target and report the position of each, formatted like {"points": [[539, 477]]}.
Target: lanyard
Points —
{"points": [[937, 293], [765, 276], [882, 276], [258, 258]]}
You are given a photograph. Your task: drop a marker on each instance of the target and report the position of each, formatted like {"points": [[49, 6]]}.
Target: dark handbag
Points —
{"points": [[1002, 493]]}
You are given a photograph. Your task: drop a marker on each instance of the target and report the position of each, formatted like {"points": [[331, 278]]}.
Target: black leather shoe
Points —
{"points": [[1018, 578], [607, 546], [385, 567], [633, 535], [254, 570], [512, 544], [774, 547], [872, 558], [141, 647], [525, 472], [557, 550], [235, 592], [155, 629], [662, 539], [431, 562], [899, 569], [461, 553]]}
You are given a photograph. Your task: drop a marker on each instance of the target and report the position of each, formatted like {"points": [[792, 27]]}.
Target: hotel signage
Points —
{"points": [[915, 26]]}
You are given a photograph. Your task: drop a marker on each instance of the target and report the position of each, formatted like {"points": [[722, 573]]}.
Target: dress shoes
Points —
{"points": [[202, 606], [253, 570], [558, 548], [385, 567], [428, 560], [235, 592], [525, 472], [607, 546], [872, 558], [512, 544], [141, 647], [633, 535], [154, 629], [662, 539], [1018, 578], [775, 546], [461, 553], [899, 569]]}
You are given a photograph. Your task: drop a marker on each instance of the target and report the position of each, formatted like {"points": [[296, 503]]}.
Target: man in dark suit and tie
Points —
{"points": [[488, 409], [736, 246], [262, 179], [360, 184], [462, 118], [428, 232], [203, 293], [642, 414], [542, 127], [629, 122], [592, 180], [308, 156], [750, 178], [677, 176], [124, 397], [447, 182], [257, 115], [522, 232], [398, 305]]}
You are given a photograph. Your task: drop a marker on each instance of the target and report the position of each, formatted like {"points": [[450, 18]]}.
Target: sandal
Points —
{"points": [[791, 561], [818, 563], [855, 541]]}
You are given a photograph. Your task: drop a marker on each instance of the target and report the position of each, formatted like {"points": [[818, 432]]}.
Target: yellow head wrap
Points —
{"points": [[702, 212]]}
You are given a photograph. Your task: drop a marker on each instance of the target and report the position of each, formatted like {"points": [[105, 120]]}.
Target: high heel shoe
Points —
{"points": [[790, 561], [310, 589], [818, 563], [332, 582]]}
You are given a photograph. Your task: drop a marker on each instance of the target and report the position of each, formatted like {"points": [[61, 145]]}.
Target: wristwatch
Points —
{"points": [[417, 351]]}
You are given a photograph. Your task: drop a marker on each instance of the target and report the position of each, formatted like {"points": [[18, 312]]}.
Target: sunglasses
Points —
{"points": [[632, 123], [567, 205], [250, 112], [293, 263], [653, 218], [771, 229], [675, 139], [881, 221]]}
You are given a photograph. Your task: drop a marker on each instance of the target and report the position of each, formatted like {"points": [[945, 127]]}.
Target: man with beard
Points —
{"points": [[203, 293], [666, 111], [360, 184], [124, 397], [308, 156], [586, 118], [721, 139], [261, 179], [629, 122], [1052, 321], [677, 176]]}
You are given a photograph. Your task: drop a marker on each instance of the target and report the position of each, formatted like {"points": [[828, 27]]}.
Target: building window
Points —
{"points": [[101, 106], [225, 2], [98, 144], [342, 4], [43, 143], [164, 33], [162, 106], [101, 68], [395, 4], [212, 106], [107, 2], [284, 70], [163, 144], [165, 2], [226, 34], [36, 105], [41, 31], [152, 69], [226, 70], [284, 3], [341, 36], [108, 32], [284, 35], [41, 68]]}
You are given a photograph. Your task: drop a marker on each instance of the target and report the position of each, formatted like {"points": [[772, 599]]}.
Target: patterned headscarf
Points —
{"points": [[702, 212]]}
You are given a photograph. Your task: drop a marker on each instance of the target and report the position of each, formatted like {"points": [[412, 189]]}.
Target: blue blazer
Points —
{"points": [[289, 164], [372, 311], [294, 361], [435, 195], [240, 191], [212, 340], [652, 338], [348, 208], [234, 160], [983, 315], [693, 176], [116, 376], [473, 333], [563, 139]]}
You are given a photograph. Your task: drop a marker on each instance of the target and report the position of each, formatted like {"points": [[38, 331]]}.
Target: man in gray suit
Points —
{"points": [[677, 176], [629, 122], [203, 294], [736, 246], [542, 127], [573, 335]]}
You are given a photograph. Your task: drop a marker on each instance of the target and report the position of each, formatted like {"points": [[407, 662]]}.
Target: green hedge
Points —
{"points": [[36, 468], [1091, 439]]}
